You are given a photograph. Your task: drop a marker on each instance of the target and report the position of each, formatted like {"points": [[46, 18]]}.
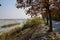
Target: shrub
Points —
{"points": [[33, 22]]}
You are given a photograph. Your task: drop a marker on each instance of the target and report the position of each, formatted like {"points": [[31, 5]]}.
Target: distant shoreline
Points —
{"points": [[12, 19]]}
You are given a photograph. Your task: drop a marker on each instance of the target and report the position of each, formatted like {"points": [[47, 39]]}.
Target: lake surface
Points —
{"points": [[56, 25], [9, 21]]}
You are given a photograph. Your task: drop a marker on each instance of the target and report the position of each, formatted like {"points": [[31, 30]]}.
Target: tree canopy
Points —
{"points": [[48, 8], [39, 7]]}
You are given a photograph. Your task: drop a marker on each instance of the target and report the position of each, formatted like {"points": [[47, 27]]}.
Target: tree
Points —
{"points": [[37, 7]]}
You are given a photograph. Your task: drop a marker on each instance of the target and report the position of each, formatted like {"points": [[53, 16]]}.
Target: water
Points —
{"points": [[9, 21], [56, 25]]}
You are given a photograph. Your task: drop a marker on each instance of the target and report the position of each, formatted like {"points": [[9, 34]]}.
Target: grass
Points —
{"points": [[11, 32]]}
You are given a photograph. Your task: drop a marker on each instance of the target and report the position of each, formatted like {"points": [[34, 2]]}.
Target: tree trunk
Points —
{"points": [[47, 21], [50, 23], [50, 19]]}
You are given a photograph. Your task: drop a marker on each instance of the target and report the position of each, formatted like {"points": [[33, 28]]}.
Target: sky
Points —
{"points": [[8, 10]]}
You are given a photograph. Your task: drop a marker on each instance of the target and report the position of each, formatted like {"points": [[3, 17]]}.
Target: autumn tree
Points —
{"points": [[55, 11], [37, 7]]}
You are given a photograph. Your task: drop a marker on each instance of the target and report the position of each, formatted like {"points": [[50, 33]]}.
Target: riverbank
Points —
{"points": [[34, 33], [32, 29]]}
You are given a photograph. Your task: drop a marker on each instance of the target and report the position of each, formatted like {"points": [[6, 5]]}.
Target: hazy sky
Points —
{"points": [[8, 10]]}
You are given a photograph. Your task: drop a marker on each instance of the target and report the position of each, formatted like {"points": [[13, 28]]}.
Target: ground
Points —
{"points": [[35, 33]]}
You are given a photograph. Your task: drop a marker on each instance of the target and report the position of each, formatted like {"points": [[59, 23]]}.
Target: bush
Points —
{"points": [[33, 22]]}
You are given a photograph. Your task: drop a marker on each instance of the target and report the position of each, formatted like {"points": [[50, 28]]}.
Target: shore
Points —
{"points": [[35, 33], [34, 29]]}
